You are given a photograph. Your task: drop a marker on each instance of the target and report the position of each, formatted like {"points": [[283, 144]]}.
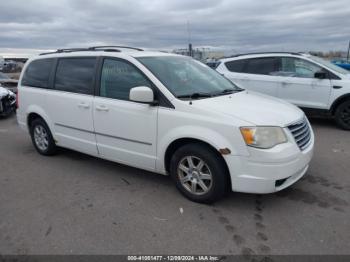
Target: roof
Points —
{"points": [[102, 50], [261, 54]]}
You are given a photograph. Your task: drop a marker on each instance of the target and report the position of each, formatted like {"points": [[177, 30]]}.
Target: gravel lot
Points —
{"points": [[76, 204]]}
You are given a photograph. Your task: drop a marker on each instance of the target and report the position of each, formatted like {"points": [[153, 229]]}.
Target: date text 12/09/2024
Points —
{"points": [[173, 258]]}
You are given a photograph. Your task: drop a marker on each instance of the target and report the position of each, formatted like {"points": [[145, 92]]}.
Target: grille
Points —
{"points": [[301, 133]]}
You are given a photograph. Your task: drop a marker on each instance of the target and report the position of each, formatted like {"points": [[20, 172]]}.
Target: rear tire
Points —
{"points": [[42, 138], [342, 115], [199, 173]]}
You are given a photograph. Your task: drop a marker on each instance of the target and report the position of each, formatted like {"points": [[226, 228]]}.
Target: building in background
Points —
{"points": [[202, 54]]}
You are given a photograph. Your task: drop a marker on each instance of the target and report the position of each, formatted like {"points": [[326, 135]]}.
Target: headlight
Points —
{"points": [[263, 136]]}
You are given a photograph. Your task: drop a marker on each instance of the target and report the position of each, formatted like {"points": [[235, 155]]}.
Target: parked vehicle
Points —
{"points": [[342, 63], [307, 81], [7, 102], [10, 67], [9, 83], [165, 113]]}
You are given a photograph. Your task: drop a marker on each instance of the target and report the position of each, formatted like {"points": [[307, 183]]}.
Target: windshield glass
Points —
{"points": [[329, 65], [184, 76]]}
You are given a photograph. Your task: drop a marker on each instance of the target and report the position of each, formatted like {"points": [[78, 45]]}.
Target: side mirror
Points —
{"points": [[142, 94], [320, 75]]}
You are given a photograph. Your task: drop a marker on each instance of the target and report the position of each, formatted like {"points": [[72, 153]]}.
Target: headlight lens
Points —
{"points": [[263, 136]]}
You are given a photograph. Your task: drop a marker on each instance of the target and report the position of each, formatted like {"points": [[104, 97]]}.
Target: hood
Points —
{"points": [[5, 92], [347, 77], [253, 107]]}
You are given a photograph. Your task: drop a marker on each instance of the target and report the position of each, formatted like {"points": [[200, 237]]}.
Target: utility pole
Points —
{"points": [[347, 58], [190, 53]]}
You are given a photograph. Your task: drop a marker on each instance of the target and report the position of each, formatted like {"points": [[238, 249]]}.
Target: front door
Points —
{"points": [[126, 131], [299, 86]]}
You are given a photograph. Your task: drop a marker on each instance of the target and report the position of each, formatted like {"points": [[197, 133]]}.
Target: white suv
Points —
{"points": [[165, 113], [309, 82]]}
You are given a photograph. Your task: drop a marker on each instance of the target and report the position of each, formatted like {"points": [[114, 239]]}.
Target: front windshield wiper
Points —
{"points": [[227, 92], [195, 95]]}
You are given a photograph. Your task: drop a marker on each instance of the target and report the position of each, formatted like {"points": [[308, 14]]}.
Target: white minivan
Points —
{"points": [[310, 82], [164, 113]]}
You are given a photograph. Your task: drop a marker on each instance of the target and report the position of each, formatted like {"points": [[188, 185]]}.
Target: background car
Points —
{"points": [[342, 63], [9, 83], [309, 82]]}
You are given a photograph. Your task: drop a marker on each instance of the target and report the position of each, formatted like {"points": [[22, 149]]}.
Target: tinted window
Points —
{"points": [[261, 66], [118, 77], [236, 66], [37, 73], [296, 67], [75, 75]]}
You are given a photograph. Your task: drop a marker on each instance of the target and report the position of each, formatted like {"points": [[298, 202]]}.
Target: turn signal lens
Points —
{"points": [[248, 135]]}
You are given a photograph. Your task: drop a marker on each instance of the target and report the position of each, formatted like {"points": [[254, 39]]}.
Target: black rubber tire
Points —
{"points": [[339, 113], [216, 165], [52, 148]]}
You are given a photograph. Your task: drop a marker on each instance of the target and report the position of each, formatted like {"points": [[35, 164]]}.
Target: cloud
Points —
{"points": [[249, 25]]}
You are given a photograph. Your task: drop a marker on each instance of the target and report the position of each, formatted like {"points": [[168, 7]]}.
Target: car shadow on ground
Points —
{"points": [[132, 175], [322, 122]]}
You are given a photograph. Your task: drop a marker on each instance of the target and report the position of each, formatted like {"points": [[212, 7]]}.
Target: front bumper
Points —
{"points": [[268, 171]]}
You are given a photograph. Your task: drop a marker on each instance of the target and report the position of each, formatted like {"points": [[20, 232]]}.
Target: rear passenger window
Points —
{"points": [[75, 75], [236, 66], [37, 73], [261, 66], [118, 77]]}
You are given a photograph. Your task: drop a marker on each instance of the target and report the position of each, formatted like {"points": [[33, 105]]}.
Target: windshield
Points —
{"points": [[186, 77], [329, 65], [3, 76]]}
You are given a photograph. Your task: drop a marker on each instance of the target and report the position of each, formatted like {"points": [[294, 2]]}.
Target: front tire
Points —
{"points": [[42, 138], [342, 115], [199, 173]]}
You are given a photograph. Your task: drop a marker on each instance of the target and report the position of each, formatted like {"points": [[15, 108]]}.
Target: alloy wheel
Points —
{"points": [[41, 138], [195, 175]]}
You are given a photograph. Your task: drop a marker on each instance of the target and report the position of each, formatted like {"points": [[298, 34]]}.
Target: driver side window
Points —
{"points": [[296, 67], [118, 77]]}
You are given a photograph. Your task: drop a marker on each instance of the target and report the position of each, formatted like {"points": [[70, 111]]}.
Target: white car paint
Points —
{"points": [[138, 134], [304, 92]]}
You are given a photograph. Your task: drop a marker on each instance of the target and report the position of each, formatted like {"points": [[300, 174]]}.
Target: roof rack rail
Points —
{"points": [[260, 53], [93, 48], [116, 46]]}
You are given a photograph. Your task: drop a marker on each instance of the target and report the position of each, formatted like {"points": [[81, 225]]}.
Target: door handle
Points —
{"points": [[337, 87], [83, 105], [102, 108]]}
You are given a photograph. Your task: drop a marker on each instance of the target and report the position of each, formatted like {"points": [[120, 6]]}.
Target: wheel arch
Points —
{"points": [[180, 142], [31, 117], [338, 102], [34, 112]]}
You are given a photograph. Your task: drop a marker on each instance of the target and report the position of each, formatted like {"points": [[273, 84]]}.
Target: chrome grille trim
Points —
{"points": [[302, 133]]}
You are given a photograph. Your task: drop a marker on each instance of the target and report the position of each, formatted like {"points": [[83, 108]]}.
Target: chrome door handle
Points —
{"points": [[102, 108], [83, 105]]}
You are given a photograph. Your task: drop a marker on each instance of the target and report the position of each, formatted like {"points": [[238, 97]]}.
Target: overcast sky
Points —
{"points": [[234, 25]]}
